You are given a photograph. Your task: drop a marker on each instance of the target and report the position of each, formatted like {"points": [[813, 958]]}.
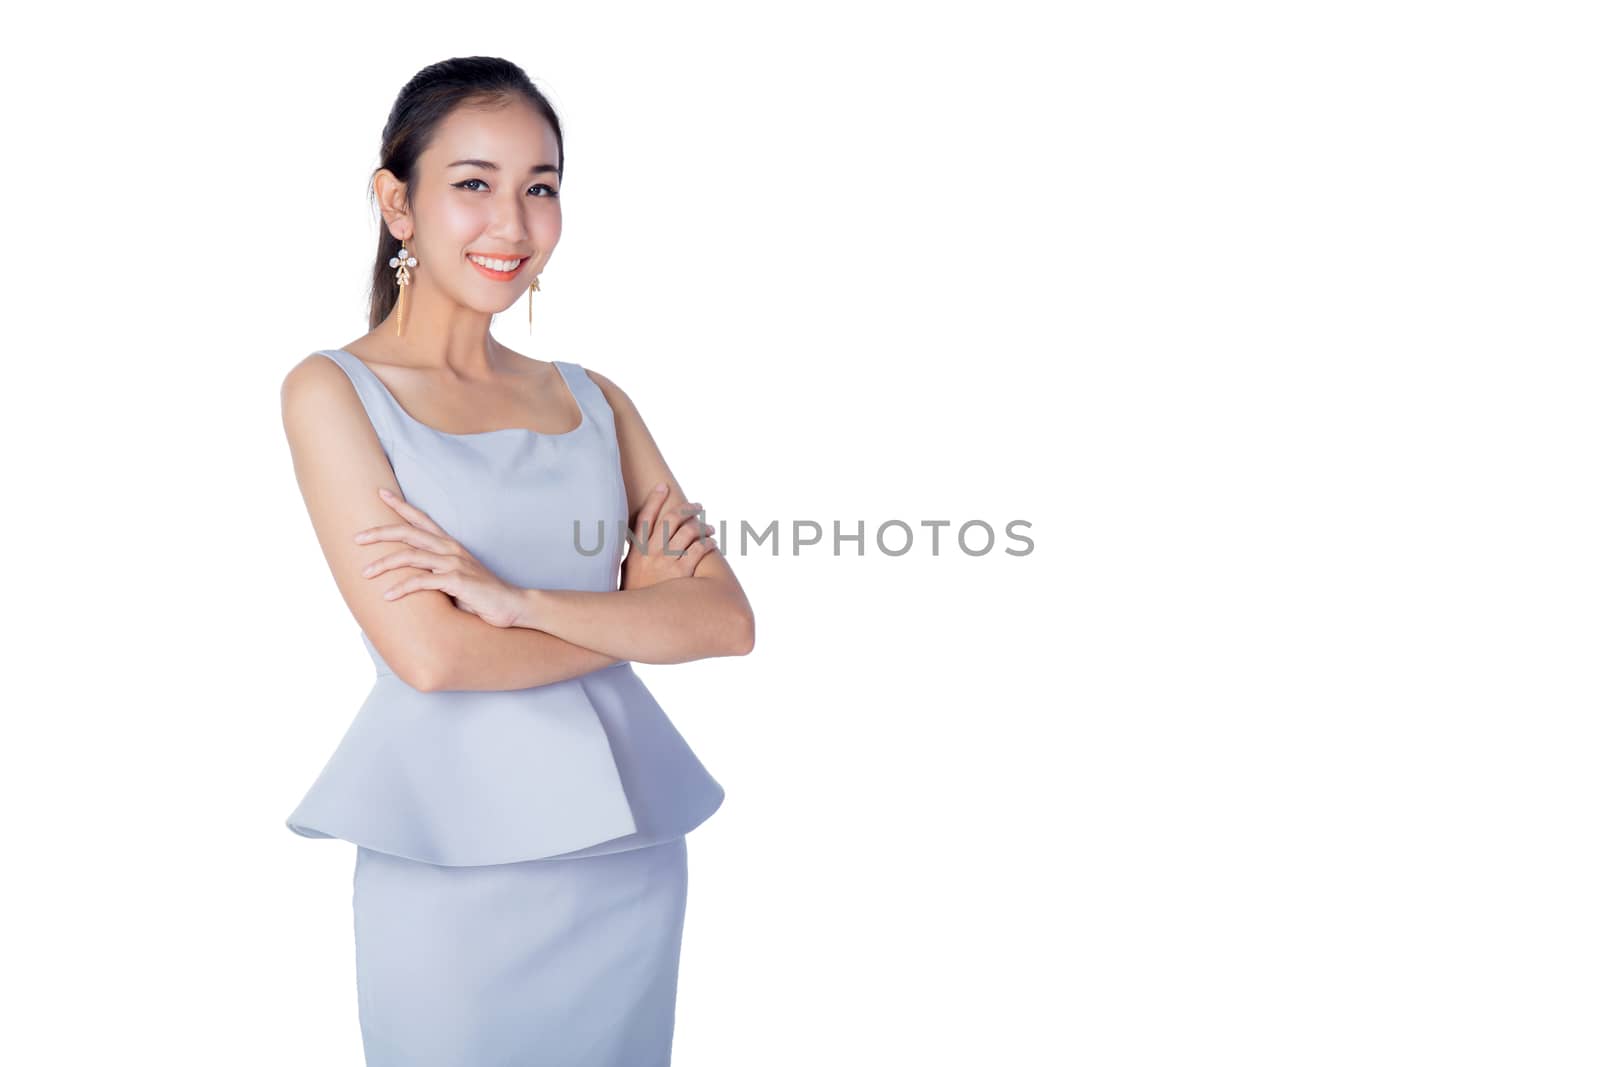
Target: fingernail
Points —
{"points": [[659, 486], [384, 492]]}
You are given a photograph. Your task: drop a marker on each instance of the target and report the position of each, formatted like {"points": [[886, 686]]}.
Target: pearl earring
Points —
{"points": [[402, 277]]}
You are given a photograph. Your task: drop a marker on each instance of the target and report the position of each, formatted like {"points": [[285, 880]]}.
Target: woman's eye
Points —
{"points": [[548, 191]]}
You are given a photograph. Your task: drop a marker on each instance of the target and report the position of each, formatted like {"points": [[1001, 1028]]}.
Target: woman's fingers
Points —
{"points": [[689, 544], [688, 517], [411, 535], [680, 550], [445, 583], [692, 555], [427, 561], [648, 512], [687, 534], [411, 514], [711, 550]]}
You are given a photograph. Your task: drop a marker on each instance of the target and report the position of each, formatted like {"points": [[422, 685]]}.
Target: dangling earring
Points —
{"points": [[532, 288], [402, 277]]}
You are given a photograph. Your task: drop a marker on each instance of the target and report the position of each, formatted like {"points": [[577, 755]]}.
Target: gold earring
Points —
{"points": [[533, 287], [402, 277]]}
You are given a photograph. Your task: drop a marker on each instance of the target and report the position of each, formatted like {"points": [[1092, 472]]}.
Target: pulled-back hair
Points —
{"points": [[427, 99]]}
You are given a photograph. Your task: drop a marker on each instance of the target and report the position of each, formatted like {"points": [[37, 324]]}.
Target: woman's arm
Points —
{"points": [[339, 464], [674, 621], [668, 623], [671, 622], [684, 619]]}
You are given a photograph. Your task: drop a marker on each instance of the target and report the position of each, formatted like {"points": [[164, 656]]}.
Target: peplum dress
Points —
{"points": [[520, 872]]}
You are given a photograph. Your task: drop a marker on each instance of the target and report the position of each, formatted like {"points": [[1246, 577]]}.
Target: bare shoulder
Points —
{"points": [[312, 382], [619, 401]]}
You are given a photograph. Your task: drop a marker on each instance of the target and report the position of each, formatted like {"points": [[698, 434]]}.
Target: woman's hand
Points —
{"points": [[455, 572], [649, 565]]}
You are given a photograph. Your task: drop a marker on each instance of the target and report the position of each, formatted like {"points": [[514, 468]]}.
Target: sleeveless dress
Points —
{"points": [[521, 870]]}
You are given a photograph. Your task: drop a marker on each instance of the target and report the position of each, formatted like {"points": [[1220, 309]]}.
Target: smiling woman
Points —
{"points": [[518, 800], [500, 268], [455, 135]]}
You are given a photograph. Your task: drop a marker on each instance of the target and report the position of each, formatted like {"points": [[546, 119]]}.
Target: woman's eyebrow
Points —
{"points": [[537, 168]]}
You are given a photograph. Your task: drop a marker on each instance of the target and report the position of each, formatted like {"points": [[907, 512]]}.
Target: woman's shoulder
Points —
{"points": [[621, 405], [315, 375], [608, 388]]}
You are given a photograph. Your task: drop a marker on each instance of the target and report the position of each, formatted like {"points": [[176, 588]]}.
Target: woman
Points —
{"points": [[517, 798]]}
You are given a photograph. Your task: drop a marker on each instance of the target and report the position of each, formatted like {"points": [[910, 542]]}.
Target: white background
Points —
{"points": [[1276, 322]]}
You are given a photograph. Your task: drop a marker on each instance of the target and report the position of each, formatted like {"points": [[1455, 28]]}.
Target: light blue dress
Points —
{"points": [[521, 869]]}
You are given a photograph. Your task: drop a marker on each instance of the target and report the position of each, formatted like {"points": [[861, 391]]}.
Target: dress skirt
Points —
{"points": [[549, 962]]}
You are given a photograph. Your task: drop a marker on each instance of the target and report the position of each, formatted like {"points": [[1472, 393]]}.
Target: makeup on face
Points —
{"points": [[491, 272]]}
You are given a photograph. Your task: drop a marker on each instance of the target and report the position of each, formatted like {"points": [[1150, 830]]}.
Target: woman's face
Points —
{"points": [[505, 205]]}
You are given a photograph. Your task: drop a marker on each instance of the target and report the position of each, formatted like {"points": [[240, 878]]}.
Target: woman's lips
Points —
{"points": [[497, 275]]}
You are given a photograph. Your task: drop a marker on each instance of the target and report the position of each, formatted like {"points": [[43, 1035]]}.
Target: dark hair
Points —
{"points": [[427, 99]]}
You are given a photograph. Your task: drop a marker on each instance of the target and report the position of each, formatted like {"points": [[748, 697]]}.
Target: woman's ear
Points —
{"points": [[391, 195]]}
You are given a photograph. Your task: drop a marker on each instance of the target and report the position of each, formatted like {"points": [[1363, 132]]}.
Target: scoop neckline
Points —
{"points": [[583, 412]]}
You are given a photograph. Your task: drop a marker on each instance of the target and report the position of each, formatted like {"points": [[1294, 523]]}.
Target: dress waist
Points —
{"points": [[466, 778]]}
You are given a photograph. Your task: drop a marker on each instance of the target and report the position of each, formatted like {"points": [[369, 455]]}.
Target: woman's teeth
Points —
{"points": [[502, 265]]}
